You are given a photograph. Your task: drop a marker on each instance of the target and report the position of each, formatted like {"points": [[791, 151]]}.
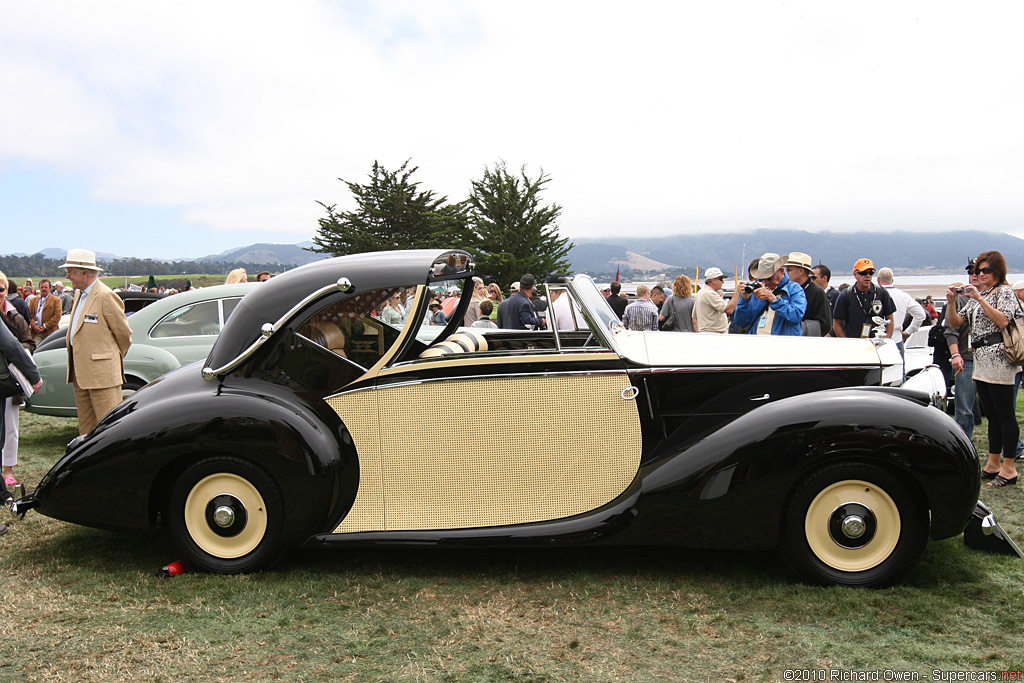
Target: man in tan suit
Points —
{"points": [[44, 311], [98, 338]]}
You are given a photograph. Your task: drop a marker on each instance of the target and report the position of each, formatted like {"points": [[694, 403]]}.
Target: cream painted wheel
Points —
{"points": [[853, 524], [225, 515]]}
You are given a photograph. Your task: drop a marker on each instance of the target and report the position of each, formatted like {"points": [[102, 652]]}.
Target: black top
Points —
{"points": [[855, 309], [818, 307], [370, 271], [618, 304]]}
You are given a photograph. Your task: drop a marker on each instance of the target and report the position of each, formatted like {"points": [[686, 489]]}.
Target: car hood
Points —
{"points": [[709, 349]]}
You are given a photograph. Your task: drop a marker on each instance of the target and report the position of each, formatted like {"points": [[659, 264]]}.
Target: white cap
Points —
{"points": [[1019, 284], [712, 274]]}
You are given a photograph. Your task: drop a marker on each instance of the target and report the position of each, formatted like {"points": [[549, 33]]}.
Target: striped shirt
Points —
{"points": [[641, 315]]}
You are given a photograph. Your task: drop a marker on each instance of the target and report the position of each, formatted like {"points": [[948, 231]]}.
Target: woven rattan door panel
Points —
{"points": [[579, 449]]}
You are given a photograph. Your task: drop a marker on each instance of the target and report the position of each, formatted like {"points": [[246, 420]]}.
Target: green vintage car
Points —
{"points": [[166, 335]]}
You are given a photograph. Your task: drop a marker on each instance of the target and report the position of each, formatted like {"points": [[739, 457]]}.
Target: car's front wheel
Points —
{"points": [[225, 515], [853, 524]]}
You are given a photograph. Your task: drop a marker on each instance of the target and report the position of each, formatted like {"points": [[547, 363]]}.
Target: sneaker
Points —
{"points": [[10, 481]]}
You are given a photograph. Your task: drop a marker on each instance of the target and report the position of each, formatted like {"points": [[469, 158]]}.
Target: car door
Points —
{"points": [[523, 430]]}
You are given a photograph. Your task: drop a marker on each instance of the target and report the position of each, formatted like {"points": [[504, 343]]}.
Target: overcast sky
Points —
{"points": [[180, 129]]}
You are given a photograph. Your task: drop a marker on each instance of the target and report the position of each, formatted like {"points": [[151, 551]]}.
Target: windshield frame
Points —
{"points": [[599, 315]]}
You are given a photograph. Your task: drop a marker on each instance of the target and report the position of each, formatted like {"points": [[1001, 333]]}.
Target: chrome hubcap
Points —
{"points": [[223, 516], [854, 526]]}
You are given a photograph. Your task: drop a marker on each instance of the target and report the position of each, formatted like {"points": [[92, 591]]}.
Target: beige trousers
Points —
{"points": [[93, 404]]}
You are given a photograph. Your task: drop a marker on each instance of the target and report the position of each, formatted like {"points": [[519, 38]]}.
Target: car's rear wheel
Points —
{"points": [[225, 515], [853, 524]]}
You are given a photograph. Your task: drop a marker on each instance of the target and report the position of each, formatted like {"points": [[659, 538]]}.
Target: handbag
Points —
{"points": [[1013, 338]]}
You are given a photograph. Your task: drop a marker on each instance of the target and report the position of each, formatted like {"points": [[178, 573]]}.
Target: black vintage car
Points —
{"points": [[315, 423]]}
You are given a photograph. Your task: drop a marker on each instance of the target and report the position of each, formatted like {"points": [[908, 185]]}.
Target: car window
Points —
{"points": [[192, 320], [228, 305], [359, 328]]}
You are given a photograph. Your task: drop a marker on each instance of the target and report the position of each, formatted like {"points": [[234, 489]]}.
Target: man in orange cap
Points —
{"points": [[857, 306]]}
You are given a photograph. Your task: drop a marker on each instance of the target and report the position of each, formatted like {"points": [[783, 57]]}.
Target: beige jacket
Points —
{"points": [[97, 345], [52, 310]]}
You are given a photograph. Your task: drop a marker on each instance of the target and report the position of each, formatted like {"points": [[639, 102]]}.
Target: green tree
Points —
{"points": [[391, 213], [511, 232]]}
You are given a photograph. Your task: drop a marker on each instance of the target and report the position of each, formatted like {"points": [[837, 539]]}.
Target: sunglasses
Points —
{"points": [[864, 272], [988, 270]]}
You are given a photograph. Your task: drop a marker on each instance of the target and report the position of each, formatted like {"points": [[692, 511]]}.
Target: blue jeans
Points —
{"points": [[966, 393]]}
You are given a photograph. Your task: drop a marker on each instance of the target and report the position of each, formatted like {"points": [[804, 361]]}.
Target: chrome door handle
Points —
{"points": [[759, 398]]}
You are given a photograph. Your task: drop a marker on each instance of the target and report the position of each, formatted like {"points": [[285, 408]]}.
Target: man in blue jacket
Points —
{"points": [[776, 304]]}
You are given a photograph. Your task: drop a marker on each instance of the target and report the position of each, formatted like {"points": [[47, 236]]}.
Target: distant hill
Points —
{"points": [[280, 254], [906, 253], [264, 254]]}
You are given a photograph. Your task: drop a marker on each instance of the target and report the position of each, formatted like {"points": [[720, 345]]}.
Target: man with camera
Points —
{"points": [[857, 306], [773, 303]]}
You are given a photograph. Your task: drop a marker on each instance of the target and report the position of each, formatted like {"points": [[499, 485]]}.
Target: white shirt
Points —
{"points": [[564, 314], [80, 306], [904, 302]]}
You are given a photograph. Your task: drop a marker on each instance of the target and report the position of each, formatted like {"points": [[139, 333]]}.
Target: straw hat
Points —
{"points": [[81, 258]]}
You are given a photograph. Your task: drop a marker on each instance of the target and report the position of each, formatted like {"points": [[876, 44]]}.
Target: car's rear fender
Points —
{"points": [[145, 442]]}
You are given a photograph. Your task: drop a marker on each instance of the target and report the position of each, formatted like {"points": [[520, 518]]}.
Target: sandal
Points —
{"points": [[9, 480], [985, 474], [1000, 480]]}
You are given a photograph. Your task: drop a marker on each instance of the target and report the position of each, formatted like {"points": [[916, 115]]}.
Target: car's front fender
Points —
{"points": [[737, 480]]}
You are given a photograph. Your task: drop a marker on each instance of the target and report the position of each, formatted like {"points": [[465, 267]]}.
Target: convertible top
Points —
{"points": [[277, 296]]}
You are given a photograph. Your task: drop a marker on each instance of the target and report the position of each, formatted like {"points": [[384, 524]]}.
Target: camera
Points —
{"points": [[750, 287], [958, 290]]}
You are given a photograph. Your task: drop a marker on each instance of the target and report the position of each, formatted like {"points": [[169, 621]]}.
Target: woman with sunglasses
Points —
{"points": [[991, 307], [496, 297]]}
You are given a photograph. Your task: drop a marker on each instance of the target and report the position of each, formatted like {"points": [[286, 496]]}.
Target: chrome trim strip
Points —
{"points": [[502, 375], [734, 368], [268, 330]]}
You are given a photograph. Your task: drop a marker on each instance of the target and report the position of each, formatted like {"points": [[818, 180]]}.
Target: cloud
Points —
{"points": [[238, 116]]}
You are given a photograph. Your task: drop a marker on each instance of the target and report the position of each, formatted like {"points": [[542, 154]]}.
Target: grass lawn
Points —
{"points": [[85, 605]]}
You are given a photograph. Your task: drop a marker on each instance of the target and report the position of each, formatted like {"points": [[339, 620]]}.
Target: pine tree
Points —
{"points": [[392, 213], [511, 233]]}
